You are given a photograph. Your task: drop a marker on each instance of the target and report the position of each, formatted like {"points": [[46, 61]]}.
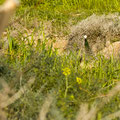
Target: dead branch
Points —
{"points": [[17, 95], [6, 10], [112, 116], [45, 108]]}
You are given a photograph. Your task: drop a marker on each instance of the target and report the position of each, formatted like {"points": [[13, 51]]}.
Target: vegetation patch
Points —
{"points": [[99, 30], [37, 82]]}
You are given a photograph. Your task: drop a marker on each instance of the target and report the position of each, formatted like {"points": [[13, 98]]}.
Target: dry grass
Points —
{"points": [[112, 116], [90, 114], [17, 95], [6, 11], [6, 100], [45, 108], [101, 31], [83, 114]]}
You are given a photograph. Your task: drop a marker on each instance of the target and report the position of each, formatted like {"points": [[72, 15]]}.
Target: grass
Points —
{"points": [[49, 9], [60, 75], [63, 12]]}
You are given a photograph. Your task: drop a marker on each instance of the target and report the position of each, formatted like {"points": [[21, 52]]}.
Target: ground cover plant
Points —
{"points": [[40, 83]]}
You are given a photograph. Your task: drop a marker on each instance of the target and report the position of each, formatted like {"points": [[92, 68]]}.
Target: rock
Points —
{"points": [[112, 50]]}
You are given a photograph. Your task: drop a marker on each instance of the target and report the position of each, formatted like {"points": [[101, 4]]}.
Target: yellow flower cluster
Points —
{"points": [[79, 80], [72, 96], [66, 71]]}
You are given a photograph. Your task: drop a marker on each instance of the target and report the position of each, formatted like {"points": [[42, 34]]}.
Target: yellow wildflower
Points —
{"points": [[72, 96], [79, 80], [66, 71]]}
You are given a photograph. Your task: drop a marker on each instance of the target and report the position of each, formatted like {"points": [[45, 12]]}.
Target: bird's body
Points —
{"points": [[88, 51]]}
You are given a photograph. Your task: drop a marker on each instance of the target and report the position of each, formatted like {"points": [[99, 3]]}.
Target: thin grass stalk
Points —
{"points": [[17, 95], [45, 108]]}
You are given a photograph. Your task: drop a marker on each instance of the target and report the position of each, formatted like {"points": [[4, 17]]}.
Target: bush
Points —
{"points": [[29, 2]]}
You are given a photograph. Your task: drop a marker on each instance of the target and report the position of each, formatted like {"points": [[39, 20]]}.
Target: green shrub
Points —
{"points": [[29, 2], [1, 1]]}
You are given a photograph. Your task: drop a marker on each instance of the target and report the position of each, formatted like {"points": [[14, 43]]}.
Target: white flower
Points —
{"points": [[85, 36]]}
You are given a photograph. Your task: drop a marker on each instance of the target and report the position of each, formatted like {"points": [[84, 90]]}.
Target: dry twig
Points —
{"points": [[84, 114], [45, 107], [17, 95], [112, 116], [6, 10]]}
